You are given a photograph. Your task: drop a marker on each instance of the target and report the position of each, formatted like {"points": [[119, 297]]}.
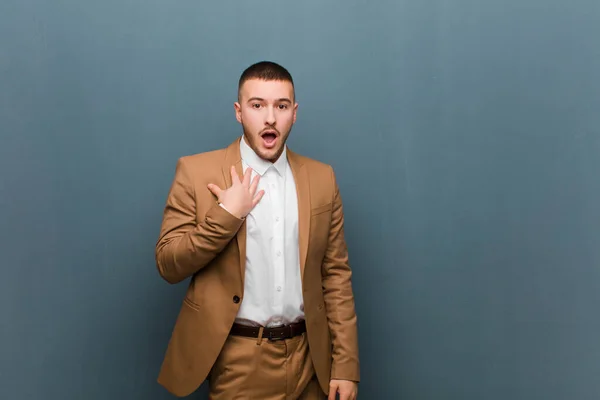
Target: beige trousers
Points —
{"points": [[260, 369]]}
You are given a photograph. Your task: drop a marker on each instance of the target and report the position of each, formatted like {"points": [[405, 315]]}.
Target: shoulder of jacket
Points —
{"points": [[211, 156], [314, 165]]}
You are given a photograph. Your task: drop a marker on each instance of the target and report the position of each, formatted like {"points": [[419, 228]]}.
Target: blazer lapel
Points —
{"points": [[233, 157], [303, 193]]}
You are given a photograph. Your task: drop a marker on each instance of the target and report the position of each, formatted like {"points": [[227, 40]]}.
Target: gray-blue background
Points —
{"points": [[465, 136]]}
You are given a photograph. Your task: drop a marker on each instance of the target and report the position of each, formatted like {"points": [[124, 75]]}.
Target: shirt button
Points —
{"points": [[279, 288], [276, 218], [279, 254]]}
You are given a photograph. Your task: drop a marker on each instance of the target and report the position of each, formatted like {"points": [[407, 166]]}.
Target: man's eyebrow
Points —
{"points": [[283, 99]]}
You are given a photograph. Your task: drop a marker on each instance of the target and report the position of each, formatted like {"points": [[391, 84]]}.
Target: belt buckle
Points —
{"points": [[274, 335]]}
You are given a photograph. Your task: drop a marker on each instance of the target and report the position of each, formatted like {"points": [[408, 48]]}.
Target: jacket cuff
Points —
{"points": [[218, 214], [347, 372]]}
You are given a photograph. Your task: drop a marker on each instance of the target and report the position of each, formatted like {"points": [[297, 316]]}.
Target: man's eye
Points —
{"points": [[282, 106], [256, 105]]}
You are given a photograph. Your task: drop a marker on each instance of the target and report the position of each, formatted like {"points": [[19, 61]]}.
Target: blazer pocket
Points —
{"points": [[320, 209]]}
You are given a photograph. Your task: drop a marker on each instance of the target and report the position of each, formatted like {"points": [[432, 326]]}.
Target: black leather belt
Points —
{"points": [[275, 333]]}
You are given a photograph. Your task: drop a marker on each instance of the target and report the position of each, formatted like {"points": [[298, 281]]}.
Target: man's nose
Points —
{"points": [[270, 116]]}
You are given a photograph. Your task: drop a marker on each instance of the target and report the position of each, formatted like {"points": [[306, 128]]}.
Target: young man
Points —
{"points": [[269, 311]]}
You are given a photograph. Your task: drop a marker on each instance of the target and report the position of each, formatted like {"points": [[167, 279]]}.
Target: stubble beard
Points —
{"points": [[254, 140]]}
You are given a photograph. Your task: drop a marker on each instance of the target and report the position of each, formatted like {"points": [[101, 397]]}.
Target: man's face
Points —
{"points": [[267, 111]]}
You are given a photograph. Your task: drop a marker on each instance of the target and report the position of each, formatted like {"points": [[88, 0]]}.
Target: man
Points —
{"points": [[269, 310]]}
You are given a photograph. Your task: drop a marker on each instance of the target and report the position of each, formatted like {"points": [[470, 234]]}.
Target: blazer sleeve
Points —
{"points": [[184, 245], [339, 298]]}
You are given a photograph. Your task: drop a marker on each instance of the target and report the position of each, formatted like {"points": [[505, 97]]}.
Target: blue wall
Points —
{"points": [[465, 135]]}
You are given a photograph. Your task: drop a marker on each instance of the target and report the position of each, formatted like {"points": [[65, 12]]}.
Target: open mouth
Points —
{"points": [[269, 138]]}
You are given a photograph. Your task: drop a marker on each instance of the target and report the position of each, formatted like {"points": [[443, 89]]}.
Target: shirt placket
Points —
{"points": [[278, 242]]}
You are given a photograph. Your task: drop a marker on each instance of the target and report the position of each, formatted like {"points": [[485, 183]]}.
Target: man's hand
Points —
{"points": [[240, 198], [348, 390]]}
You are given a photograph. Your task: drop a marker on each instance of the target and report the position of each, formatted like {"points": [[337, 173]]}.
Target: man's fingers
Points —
{"points": [[346, 396], [254, 184], [234, 176], [257, 198], [214, 189], [332, 391], [247, 175]]}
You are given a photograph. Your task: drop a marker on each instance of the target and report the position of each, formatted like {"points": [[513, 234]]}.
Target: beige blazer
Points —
{"points": [[202, 241]]}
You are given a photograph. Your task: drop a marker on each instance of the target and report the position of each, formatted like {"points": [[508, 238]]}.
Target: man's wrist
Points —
{"points": [[229, 211]]}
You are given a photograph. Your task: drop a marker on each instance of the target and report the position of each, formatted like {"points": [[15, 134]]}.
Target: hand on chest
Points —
{"points": [[275, 217]]}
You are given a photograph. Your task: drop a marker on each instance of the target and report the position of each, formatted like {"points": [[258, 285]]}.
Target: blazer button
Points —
{"points": [[236, 299]]}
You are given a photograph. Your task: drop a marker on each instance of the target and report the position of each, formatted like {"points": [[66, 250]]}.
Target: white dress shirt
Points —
{"points": [[272, 286]]}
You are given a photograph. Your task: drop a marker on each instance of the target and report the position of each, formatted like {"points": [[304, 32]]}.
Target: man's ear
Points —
{"points": [[238, 111], [295, 110]]}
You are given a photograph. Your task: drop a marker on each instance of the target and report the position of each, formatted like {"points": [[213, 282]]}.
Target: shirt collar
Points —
{"points": [[259, 165]]}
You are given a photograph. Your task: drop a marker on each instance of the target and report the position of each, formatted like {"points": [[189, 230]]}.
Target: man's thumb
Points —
{"points": [[214, 189]]}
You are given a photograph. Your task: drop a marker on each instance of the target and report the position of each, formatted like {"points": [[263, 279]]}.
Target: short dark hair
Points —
{"points": [[267, 71]]}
